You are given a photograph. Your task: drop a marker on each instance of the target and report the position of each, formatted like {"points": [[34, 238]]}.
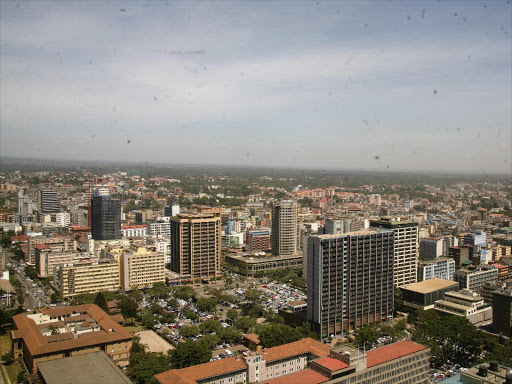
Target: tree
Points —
{"points": [[230, 335], [367, 336], [232, 314], [189, 314], [189, 331], [244, 323], [190, 353], [159, 290], [272, 335], [31, 272], [206, 305], [127, 306], [173, 303], [100, 301], [144, 365], [210, 340], [210, 326], [8, 357], [185, 292], [253, 295]]}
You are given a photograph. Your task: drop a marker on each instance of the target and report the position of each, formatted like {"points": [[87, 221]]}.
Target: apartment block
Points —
{"points": [[141, 267], [349, 280], [196, 245], [459, 254], [406, 249], [159, 228], [473, 279], [284, 228], [440, 268], [258, 240], [47, 259], [57, 243], [87, 277]]}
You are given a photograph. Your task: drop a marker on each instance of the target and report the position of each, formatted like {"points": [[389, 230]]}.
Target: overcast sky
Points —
{"points": [[339, 84]]}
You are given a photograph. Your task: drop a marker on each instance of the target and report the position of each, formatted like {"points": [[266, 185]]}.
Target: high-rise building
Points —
{"points": [[502, 312], [25, 204], [406, 249], [349, 280], [284, 228], [196, 245], [47, 201], [431, 248], [105, 218]]}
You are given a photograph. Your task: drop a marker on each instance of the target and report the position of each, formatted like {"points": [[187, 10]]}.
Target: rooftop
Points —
{"points": [[106, 330], [392, 352], [307, 376], [431, 285], [356, 233], [95, 367], [331, 364]]}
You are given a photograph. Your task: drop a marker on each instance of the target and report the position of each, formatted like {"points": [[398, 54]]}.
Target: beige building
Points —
{"points": [[284, 236], [196, 245], [68, 331], [47, 259], [87, 277], [60, 243], [465, 303], [141, 267]]}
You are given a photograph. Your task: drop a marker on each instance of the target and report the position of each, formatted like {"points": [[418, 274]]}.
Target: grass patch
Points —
{"points": [[134, 328], [5, 344], [13, 371]]}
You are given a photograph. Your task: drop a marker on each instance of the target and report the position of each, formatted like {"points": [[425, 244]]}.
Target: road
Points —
{"points": [[31, 301]]}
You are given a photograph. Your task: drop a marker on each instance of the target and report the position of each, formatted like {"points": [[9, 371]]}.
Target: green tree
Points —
{"points": [[210, 340], [253, 295], [230, 335], [173, 303], [232, 314], [100, 301], [8, 357], [272, 335], [206, 305], [210, 326], [189, 331], [185, 292], [189, 314], [190, 353], [31, 272], [367, 335], [244, 323], [144, 365], [127, 306]]}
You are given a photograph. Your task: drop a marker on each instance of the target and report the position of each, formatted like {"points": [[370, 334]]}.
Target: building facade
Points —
{"points": [[105, 218], [467, 304], [440, 268], [349, 280], [258, 240], [502, 312], [141, 267], [284, 228], [474, 279], [47, 201], [196, 245], [406, 249]]}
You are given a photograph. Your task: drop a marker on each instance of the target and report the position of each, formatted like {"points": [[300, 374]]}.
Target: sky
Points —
{"points": [[376, 85]]}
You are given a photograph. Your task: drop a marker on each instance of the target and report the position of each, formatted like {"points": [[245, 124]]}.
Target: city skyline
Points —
{"points": [[336, 85]]}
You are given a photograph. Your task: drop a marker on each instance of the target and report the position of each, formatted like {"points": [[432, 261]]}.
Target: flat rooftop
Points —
{"points": [[95, 367], [392, 351], [492, 377], [355, 233], [428, 286], [307, 376]]}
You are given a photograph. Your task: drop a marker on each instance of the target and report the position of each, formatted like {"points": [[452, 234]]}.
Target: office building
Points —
{"points": [[105, 218], [424, 294], [311, 362], [25, 204], [459, 254], [474, 279], [128, 231], [62, 219], [56, 243], [47, 259], [406, 249], [196, 245], [349, 280], [258, 240], [172, 210], [161, 244], [86, 277], [502, 312], [449, 241], [431, 248], [440, 268], [47, 201], [250, 263], [467, 304], [141, 267], [61, 332], [79, 215], [476, 237], [159, 228], [284, 228]]}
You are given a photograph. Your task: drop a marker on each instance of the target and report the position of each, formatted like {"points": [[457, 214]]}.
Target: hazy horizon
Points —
{"points": [[390, 86]]}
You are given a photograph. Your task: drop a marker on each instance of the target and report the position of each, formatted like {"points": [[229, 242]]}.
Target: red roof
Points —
{"points": [[42, 246], [20, 238], [330, 363], [77, 228], [392, 352], [302, 377]]}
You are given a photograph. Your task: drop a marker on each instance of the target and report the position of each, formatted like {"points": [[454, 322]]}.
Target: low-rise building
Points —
{"points": [[474, 279], [250, 263], [486, 374], [258, 240], [465, 303], [62, 332], [423, 295], [440, 268], [133, 231]]}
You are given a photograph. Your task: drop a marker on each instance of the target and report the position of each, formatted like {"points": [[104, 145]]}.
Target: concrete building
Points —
{"points": [[63, 219], [431, 248], [196, 245], [502, 312], [258, 240], [284, 228], [57, 243], [87, 277], [439, 268], [467, 304], [250, 263], [406, 249], [474, 279], [79, 215], [159, 228], [349, 280], [402, 362], [161, 244], [47, 259], [141, 267], [47, 201], [449, 241], [25, 204], [487, 374], [105, 218], [128, 231], [459, 254], [423, 295], [172, 210], [79, 329], [476, 237]]}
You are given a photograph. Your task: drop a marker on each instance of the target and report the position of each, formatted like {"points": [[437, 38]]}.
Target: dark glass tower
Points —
{"points": [[105, 218]]}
